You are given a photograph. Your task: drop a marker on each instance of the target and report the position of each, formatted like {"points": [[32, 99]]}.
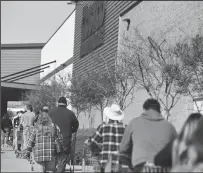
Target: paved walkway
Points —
{"points": [[9, 162]]}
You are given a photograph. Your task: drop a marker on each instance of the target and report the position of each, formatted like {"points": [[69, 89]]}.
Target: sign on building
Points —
{"points": [[92, 28]]}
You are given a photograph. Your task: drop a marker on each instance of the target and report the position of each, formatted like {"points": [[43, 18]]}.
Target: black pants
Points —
{"points": [[64, 157], [139, 167], [62, 160]]}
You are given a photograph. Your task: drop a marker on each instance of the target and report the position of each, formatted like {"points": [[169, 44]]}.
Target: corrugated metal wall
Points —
{"points": [[109, 48], [15, 60]]}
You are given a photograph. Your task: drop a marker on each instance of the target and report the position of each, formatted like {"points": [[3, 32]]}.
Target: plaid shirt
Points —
{"points": [[108, 137], [43, 144]]}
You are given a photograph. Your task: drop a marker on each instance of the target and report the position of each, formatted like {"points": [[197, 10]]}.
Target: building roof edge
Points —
{"points": [[23, 45]]}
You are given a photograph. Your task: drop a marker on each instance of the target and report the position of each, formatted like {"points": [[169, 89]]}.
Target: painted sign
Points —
{"points": [[92, 28]]}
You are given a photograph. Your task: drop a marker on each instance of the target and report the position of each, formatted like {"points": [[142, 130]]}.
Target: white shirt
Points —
{"points": [[27, 118]]}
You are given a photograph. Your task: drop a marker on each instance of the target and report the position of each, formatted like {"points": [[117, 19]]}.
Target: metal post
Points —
{"points": [[27, 76], [83, 165], [24, 74], [27, 69]]}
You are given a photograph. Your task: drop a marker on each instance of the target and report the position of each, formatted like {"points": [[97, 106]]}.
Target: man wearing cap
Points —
{"points": [[108, 136], [66, 120]]}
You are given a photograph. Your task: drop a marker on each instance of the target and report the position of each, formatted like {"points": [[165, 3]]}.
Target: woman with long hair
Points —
{"points": [[42, 142], [180, 145], [194, 152]]}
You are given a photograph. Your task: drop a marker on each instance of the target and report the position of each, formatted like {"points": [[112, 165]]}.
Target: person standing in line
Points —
{"points": [[175, 150], [6, 126], [146, 135], [68, 124], [108, 137], [16, 122], [45, 109], [42, 142], [181, 143], [27, 122], [193, 157]]}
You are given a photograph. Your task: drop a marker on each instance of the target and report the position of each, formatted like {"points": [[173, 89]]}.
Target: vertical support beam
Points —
{"points": [[3, 106]]}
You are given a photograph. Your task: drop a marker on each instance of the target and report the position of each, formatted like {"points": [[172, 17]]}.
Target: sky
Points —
{"points": [[60, 47], [31, 21], [39, 22]]}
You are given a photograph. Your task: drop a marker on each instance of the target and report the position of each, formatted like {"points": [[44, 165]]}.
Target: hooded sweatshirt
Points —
{"points": [[145, 136]]}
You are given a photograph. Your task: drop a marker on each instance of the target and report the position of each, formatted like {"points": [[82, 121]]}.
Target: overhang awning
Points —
{"points": [[58, 69], [19, 85]]}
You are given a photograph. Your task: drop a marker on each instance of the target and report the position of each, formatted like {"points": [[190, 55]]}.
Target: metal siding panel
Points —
{"points": [[109, 48], [15, 60]]}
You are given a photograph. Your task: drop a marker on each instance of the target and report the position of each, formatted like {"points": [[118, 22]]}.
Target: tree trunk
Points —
{"points": [[102, 114], [167, 114]]}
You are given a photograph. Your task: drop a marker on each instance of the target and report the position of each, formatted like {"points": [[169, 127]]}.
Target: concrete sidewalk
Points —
{"points": [[9, 162]]}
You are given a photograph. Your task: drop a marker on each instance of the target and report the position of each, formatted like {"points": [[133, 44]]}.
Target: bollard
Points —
{"points": [[83, 165]]}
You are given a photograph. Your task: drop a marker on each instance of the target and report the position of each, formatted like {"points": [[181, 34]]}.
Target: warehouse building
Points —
{"points": [[20, 71], [99, 26]]}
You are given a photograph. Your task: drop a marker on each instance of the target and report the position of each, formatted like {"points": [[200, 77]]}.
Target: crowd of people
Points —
{"points": [[149, 143]]}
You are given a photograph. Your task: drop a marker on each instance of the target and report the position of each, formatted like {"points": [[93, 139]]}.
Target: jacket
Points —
{"points": [[42, 143], [6, 124], [164, 157], [145, 136], [27, 118], [67, 122], [109, 136]]}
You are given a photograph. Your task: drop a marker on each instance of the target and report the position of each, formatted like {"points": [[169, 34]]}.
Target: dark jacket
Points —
{"points": [[66, 120], [164, 157], [6, 123]]}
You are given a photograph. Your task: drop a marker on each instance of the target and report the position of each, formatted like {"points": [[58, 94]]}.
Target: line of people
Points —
{"points": [[149, 143], [49, 127]]}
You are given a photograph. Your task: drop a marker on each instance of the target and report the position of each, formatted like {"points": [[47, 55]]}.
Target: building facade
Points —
{"points": [[16, 58], [98, 38]]}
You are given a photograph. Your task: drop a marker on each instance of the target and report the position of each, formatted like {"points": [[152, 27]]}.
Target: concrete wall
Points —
{"points": [[169, 20]]}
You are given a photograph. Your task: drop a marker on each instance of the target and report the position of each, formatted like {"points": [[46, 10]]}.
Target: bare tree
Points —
{"points": [[190, 77], [48, 92], [119, 81], [150, 64]]}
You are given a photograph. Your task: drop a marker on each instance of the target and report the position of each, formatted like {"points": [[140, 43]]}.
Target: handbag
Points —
{"points": [[58, 143]]}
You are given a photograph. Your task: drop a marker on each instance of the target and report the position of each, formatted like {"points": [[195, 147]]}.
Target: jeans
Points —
{"points": [[47, 166], [25, 137]]}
